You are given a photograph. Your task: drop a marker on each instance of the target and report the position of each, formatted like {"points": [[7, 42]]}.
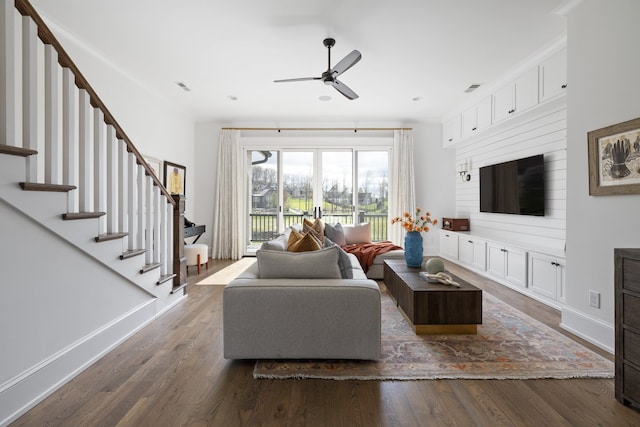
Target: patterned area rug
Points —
{"points": [[509, 345]]}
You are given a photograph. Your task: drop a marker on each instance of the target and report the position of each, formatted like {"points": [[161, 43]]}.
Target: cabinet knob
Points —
{"points": [[470, 241], [511, 111], [564, 86], [450, 139], [474, 128]]}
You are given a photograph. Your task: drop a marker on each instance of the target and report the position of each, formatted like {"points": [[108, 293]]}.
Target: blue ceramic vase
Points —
{"points": [[413, 249]]}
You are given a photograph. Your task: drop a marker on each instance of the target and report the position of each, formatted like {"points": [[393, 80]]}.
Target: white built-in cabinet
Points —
{"points": [[553, 76], [451, 130], [449, 244], [507, 262], [472, 251], [547, 276], [534, 86]]}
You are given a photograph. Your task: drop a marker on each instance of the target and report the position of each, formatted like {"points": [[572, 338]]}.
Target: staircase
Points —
{"points": [[77, 185]]}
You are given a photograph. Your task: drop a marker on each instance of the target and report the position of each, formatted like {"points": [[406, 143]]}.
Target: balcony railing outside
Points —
{"points": [[264, 226]]}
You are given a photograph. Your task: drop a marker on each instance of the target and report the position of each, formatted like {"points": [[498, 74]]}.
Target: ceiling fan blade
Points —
{"points": [[347, 62], [301, 79], [344, 89]]}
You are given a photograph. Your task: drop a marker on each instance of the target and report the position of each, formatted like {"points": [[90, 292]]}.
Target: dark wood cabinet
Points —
{"points": [[627, 283]]}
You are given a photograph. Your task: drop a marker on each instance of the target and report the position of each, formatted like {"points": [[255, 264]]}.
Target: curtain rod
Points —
{"points": [[318, 129]]}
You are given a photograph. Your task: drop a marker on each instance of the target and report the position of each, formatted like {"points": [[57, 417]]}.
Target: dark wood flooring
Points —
{"points": [[172, 373]]}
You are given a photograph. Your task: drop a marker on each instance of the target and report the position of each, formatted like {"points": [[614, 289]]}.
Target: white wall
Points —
{"points": [[435, 178], [603, 64]]}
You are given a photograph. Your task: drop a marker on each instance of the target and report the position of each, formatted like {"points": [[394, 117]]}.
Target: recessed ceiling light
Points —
{"points": [[472, 88], [417, 98], [232, 97], [325, 98]]}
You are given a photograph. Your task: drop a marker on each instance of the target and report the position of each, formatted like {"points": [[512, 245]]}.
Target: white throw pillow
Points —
{"points": [[358, 233]]}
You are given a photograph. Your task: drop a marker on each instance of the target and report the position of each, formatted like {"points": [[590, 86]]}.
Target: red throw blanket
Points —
{"points": [[366, 252]]}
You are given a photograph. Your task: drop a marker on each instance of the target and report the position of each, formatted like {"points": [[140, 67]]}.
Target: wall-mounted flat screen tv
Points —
{"points": [[515, 187]]}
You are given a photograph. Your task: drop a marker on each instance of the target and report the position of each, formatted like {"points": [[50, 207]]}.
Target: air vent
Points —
{"points": [[183, 86], [472, 88]]}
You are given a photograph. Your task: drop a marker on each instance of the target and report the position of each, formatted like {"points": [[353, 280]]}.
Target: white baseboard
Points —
{"points": [[25, 391], [589, 328]]}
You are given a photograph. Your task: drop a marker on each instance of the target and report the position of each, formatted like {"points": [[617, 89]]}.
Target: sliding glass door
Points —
{"points": [[337, 185]]}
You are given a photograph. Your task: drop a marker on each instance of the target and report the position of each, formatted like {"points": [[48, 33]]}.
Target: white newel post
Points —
{"points": [[141, 212], [112, 180], [123, 165], [99, 168], [148, 232], [69, 137], [132, 202], [85, 153], [51, 116], [30, 95], [7, 75]]}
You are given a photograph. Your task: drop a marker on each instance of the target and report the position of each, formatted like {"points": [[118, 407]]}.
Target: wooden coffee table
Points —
{"points": [[433, 308]]}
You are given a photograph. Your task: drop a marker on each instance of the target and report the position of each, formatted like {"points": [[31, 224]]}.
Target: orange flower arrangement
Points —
{"points": [[418, 223]]}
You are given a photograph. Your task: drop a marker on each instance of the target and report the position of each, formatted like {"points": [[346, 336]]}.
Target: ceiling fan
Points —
{"points": [[330, 77]]}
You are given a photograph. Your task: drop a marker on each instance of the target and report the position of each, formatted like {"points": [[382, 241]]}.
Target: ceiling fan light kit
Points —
{"points": [[330, 77]]}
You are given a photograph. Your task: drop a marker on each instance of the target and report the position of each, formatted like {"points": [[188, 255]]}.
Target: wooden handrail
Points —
{"points": [[44, 33]]}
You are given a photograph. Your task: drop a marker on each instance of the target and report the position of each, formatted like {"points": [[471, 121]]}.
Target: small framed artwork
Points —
{"points": [[174, 178], [614, 159], [155, 165]]}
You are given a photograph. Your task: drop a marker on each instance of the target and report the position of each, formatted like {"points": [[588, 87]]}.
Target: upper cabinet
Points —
{"points": [[541, 83], [517, 96], [553, 75]]}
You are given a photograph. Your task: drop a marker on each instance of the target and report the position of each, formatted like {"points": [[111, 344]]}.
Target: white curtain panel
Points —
{"points": [[402, 194], [229, 210]]}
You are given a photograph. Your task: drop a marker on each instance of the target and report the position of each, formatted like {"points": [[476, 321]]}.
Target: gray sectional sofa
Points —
{"points": [[298, 306]]}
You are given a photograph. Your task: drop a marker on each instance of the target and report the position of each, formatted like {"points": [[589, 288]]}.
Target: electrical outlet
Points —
{"points": [[594, 299]]}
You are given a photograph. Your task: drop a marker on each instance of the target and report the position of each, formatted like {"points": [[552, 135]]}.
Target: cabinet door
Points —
{"points": [[553, 75], [526, 91], [495, 259], [451, 130], [484, 113], [479, 254], [465, 250], [449, 244], [469, 122], [516, 266], [503, 101], [543, 275]]}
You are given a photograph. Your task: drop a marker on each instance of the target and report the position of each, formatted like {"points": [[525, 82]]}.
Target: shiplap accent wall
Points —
{"points": [[541, 133]]}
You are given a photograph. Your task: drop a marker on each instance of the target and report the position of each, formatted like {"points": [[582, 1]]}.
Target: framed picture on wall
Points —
{"points": [[614, 159], [174, 178], [155, 165]]}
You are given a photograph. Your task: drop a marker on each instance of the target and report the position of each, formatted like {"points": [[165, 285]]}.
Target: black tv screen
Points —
{"points": [[515, 187]]}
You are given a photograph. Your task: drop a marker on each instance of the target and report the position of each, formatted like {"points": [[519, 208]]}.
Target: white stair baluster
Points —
{"points": [[30, 94], [123, 164], [69, 137], [148, 196], [7, 74], [141, 211], [85, 153], [51, 116], [99, 168], [156, 225], [112, 180], [169, 208], [132, 202], [163, 235]]}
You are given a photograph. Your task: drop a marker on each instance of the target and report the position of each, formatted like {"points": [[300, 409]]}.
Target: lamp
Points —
{"points": [[464, 174]]}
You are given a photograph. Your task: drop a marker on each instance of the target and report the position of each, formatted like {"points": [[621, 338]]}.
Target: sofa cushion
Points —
{"points": [[303, 242], [321, 264], [357, 233], [277, 244], [335, 233], [344, 262]]}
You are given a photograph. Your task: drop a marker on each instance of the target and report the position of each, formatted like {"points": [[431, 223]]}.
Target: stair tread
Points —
{"points": [[177, 288], [16, 151], [148, 267], [81, 215], [132, 253], [37, 186], [165, 278], [110, 236]]}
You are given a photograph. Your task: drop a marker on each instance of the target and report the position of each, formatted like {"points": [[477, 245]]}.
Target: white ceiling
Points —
{"points": [[431, 49]]}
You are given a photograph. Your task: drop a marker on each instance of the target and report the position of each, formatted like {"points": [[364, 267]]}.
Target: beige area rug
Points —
{"points": [[509, 345], [227, 274]]}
